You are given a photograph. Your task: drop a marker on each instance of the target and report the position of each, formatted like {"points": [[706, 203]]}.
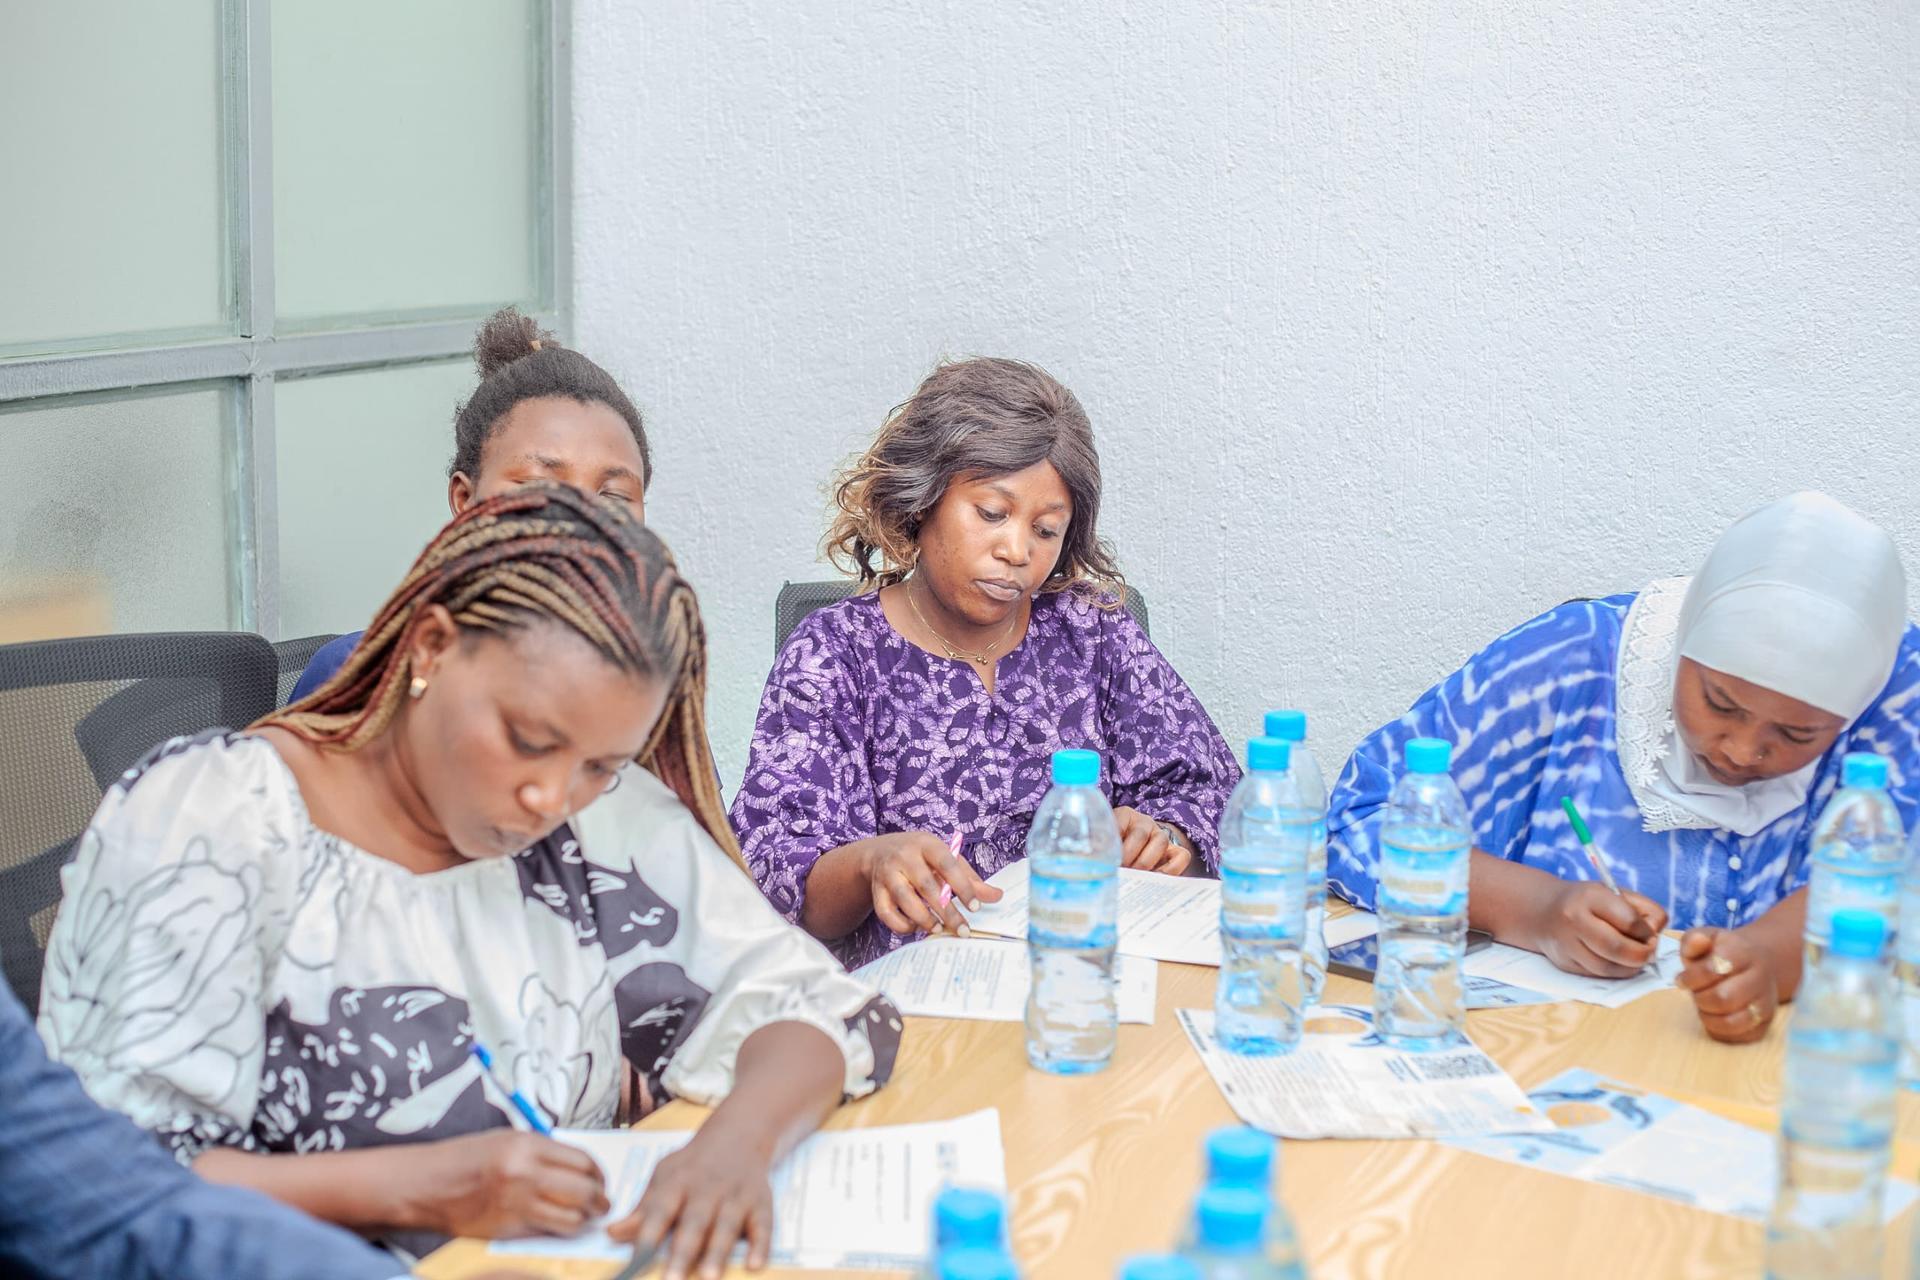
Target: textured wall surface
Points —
{"points": [[1395, 328]]}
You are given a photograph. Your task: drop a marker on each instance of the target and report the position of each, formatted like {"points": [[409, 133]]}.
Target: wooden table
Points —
{"points": [[1106, 1166]]}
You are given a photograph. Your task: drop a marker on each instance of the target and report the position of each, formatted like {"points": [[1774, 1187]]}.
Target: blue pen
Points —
{"points": [[519, 1100]]}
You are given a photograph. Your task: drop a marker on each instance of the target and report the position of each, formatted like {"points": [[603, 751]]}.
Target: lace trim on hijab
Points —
{"points": [[1643, 700]]}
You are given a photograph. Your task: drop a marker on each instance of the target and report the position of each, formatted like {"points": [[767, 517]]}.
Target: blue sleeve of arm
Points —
{"points": [[89, 1194], [326, 660], [1499, 711]]}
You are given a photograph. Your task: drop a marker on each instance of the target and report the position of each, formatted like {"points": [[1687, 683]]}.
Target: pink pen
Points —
{"points": [[946, 890]]}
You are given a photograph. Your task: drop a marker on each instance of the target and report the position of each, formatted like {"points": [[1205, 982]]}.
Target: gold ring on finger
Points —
{"points": [[1754, 1012]]}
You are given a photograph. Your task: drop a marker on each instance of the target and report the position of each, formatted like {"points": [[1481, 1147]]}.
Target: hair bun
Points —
{"points": [[508, 336]]}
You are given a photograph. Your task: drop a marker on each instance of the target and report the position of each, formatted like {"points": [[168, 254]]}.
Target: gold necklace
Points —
{"points": [[954, 651]]}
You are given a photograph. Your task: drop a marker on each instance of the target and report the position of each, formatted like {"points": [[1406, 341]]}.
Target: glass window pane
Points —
{"points": [[123, 514], [363, 486], [113, 215], [406, 165]]}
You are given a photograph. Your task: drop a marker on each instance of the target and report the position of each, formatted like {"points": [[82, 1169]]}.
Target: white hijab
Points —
{"points": [[1805, 597]]}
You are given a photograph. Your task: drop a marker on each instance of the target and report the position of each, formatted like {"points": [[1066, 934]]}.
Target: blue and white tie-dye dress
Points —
{"points": [[1542, 713]]}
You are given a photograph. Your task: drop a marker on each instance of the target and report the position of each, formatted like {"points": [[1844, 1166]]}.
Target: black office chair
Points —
{"points": [[293, 657], [798, 599], [75, 715]]}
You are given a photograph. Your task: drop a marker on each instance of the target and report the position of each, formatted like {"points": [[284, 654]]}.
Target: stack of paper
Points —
{"points": [[1531, 978], [854, 1198], [987, 978], [1161, 917], [1605, 1131], [1341, 1082]]}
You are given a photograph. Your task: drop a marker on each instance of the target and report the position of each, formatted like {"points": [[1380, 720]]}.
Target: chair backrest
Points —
{"points": [[74, 716], [293, 657], [798, 599]]}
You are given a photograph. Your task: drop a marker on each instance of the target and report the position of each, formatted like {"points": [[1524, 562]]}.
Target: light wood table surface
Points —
{"points": [[1106, 1166]]}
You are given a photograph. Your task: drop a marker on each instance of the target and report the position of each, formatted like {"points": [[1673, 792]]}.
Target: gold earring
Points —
{"points": [[417, 688]]}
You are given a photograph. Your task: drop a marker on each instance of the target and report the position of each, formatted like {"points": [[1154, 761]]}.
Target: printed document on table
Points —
{"points": [[1534, 972], [988, 978], [852, 1198], [1173, 918], [1341, 1082], [1624, 1136]]}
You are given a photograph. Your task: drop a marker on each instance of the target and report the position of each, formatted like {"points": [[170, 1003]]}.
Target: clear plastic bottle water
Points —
{"points": [[1858, 852], [1264, 839], [1907, 949], [1158, 1266], [1837, 1111], [1426, 842], [1238, 1156], [1073, 855], [976, 1263], [965, 1218], [1291, 728], [1231, 1245]]}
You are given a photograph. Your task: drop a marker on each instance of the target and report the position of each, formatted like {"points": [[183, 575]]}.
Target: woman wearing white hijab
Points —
{"points": [[1698, 727]]}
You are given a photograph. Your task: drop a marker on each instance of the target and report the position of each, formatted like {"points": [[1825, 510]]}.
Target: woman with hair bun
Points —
{"points": [[988, 634], [541, 412]]}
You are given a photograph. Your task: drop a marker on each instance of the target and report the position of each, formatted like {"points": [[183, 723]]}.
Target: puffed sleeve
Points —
{"points": [[807, 789], [701, 960], [172, 913]]}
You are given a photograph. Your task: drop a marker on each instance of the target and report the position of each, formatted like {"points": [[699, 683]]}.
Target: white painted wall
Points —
{"points": [[1395, 328]]}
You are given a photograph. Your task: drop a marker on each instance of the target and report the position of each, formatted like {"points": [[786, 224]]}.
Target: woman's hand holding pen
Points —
{"points": [[907, 872], [499, 1183], [1585, 927]]}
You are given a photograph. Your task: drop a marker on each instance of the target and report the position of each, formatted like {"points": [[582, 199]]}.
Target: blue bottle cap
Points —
{"points": [[975, 1263], [1429, 755], [968, 1216], [1288, 725], [1864, 769], [1231, 1219], [1268, 755], [1858, 935], [1240, 1157], [1158, 1266], [1073, 768]]}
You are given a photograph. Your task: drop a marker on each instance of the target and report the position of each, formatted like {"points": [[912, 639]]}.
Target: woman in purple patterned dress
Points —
{"points": [[925, 709]]}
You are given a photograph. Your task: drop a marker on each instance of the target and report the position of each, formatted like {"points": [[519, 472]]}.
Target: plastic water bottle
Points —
{"points": [[1264, 837], [1858, 852], [976, 1263], [1837, 1111], [1247, 1158], [1073, 854], [1907, 948], [1231, 1244], [1158, 1266], [965, 1218], [1425, 846], [1291, 727]]}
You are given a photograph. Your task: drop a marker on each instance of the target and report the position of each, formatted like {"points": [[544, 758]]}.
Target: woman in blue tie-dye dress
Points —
{"points": [[1699, 727]]}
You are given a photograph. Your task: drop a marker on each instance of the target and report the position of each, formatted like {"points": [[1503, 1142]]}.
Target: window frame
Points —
{"points": [[254, 358]]}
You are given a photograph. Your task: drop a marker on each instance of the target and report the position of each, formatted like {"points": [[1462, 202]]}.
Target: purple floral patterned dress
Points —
{"points": [[863, 733]]}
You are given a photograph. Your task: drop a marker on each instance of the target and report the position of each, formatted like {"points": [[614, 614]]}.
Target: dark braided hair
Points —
{"points": [[542, 553], [518, 360]]}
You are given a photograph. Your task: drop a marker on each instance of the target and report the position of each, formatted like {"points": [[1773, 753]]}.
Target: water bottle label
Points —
{"points": [[1423, 881]]}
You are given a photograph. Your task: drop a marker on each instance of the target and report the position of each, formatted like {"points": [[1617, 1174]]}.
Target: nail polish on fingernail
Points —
{"points": [[973, 904], [965, 932]]}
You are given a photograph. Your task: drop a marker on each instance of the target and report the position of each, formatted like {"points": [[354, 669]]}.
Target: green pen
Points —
{"points": [[1644, 933]]}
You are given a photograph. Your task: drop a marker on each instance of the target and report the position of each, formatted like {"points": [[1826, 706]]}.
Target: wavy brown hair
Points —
{"points": [[984, 417], [542, 554]]}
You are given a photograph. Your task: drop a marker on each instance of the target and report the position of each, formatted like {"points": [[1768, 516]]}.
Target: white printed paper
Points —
{"points": [[1341, 1082], [1351, 927], [852, 1198], [1531, 971], [988, 978], [1629, 1137], [1173, 918]]}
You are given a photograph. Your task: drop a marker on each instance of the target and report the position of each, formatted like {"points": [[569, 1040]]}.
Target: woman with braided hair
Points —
{"points": [[279, 948]]}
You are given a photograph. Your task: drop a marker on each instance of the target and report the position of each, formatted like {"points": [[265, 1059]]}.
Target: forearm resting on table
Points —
{"points": [[787, 1078], [1779, 937], [838, 893], [1506, 899], [354, 1189]]}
